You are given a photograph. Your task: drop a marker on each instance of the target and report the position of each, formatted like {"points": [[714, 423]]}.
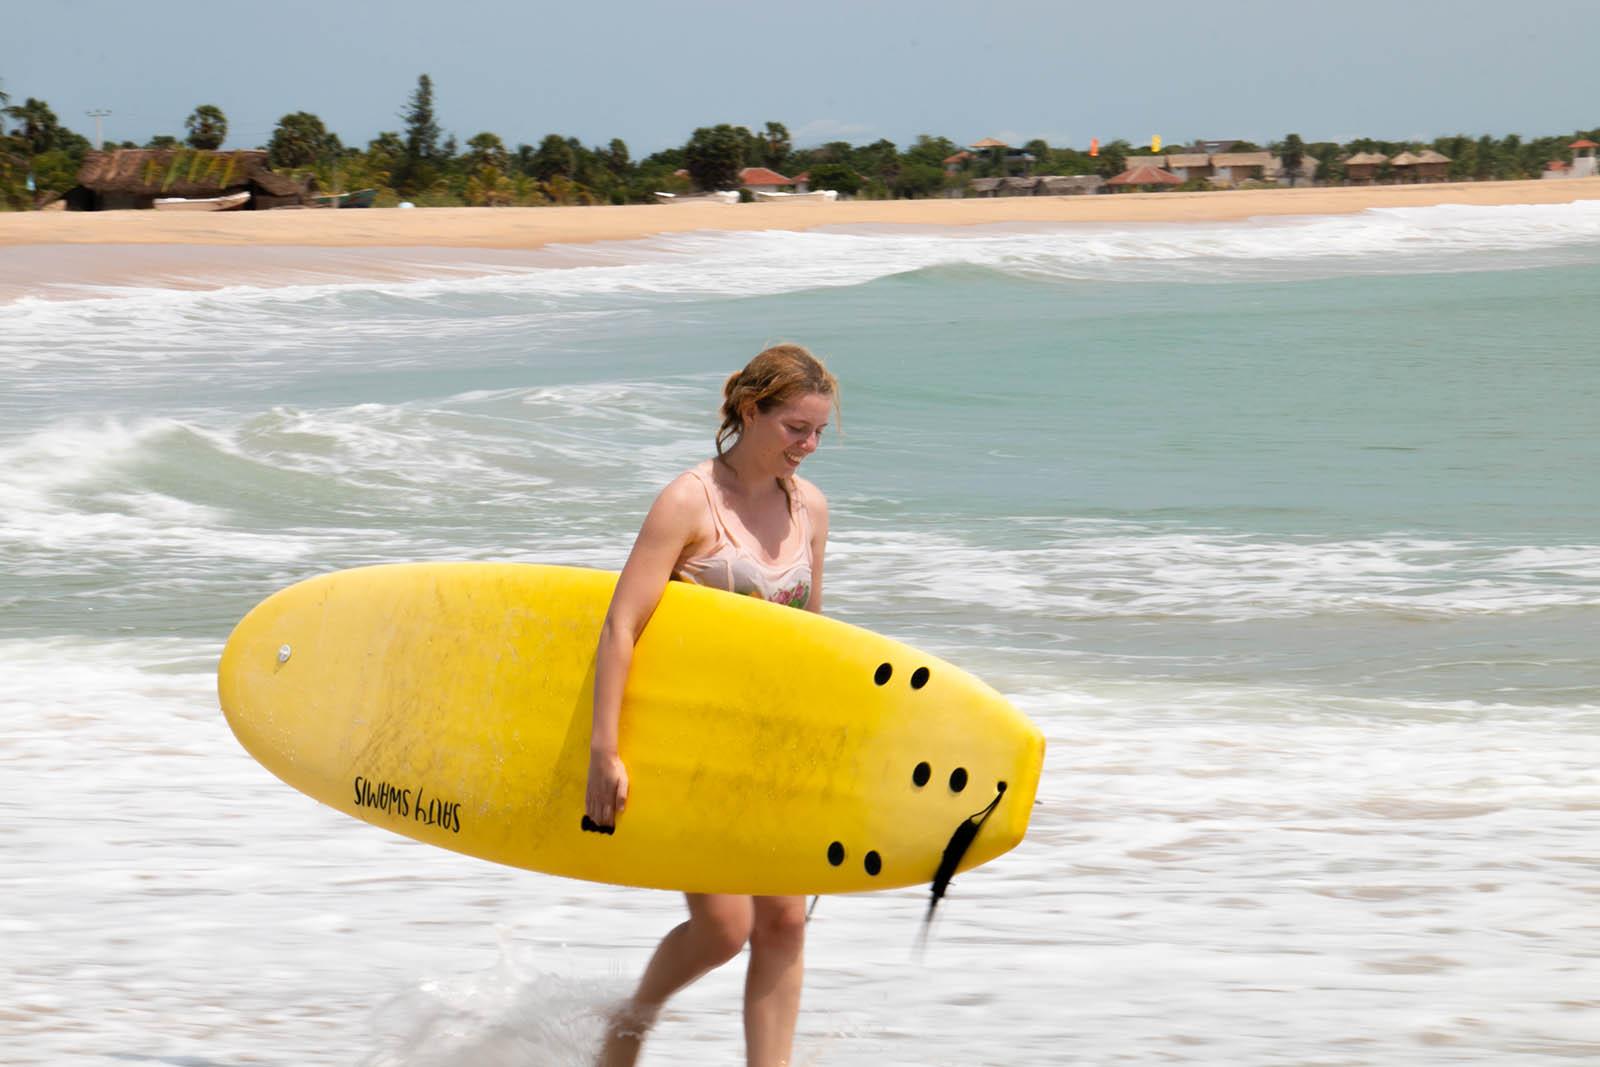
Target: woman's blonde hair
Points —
{"points": [[778, 375]]}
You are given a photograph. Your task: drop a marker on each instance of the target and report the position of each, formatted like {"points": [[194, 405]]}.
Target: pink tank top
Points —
{"points": [[732, 567]]}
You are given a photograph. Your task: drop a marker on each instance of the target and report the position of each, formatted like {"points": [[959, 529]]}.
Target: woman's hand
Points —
{"points": [[608, 788]]}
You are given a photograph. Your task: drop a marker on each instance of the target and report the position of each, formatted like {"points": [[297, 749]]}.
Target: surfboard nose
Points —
{"points": [[1006, 827], [1020, 810]]}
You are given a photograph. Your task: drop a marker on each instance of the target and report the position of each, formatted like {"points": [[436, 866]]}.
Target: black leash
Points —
{"points": [[960, 841]]}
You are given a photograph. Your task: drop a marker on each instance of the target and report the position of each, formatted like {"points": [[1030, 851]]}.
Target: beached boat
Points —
{"points": [[728, 197], [230, 202], [820, 196]]}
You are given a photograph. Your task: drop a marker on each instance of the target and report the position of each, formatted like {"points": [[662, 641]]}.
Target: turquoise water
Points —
{"points": [[1288, 534]]}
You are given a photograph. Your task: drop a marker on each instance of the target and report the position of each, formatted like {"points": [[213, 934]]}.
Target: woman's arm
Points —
{"points": [[672, 524], [817, 507]]}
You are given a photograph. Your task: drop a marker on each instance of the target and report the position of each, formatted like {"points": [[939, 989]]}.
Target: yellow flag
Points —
{"points": [[1155, 143]]}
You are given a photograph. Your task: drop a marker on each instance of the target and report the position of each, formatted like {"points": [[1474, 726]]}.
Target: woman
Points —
{"points": [[742, 522]]}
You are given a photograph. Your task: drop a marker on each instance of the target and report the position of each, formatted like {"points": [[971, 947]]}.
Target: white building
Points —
{"points": [[1582, 165], [1583, 161]]}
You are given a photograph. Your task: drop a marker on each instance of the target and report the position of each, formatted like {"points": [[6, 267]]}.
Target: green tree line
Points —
{"points": [[421, 163]]}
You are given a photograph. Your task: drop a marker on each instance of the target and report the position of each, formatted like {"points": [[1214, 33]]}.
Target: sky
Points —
{"points": [[649, 73]]}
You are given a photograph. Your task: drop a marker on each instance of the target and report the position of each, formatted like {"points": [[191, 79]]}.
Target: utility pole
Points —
{"points": [[97, 114]]}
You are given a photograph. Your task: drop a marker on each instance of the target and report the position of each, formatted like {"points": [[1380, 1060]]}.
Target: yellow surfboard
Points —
{"points": [[769, 750]]}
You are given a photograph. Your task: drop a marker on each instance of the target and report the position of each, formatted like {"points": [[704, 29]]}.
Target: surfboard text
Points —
{"points": [[436, 812], [392, 800], [382, 796]]}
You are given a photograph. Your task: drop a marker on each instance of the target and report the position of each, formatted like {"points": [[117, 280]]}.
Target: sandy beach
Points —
{"points": [[69, 255], [522, 228]]}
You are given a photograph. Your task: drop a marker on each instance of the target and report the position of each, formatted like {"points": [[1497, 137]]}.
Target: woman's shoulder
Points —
{"points": [[810, 495], [683, 497], [688, 488], [702, 473], [680, 512], [809, 488]]}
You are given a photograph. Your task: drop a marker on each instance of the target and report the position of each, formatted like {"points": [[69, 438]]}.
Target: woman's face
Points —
{"points": [[783, 437]]}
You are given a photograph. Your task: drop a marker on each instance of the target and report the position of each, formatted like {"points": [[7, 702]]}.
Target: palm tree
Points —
{"points": [[487, 150], [40, 127], [1293, 153], [300, 140], [12, 164], [775, 146], [207, 126]]}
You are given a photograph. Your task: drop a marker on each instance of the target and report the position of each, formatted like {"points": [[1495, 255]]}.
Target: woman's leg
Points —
{"points": [[717, 929], [772, 986]]}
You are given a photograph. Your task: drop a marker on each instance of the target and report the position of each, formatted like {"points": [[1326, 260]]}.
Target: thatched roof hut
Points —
{"points": [[135, 177], [1190, 165], [1068, 184], [1018, 186], [1242, 166], [1278, 170], [1424, 166], [1362, 168]]}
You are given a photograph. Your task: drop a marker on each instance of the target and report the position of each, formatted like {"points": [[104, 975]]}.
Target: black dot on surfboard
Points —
{"points": [[1000, 787], [919, 677], [958, 779], [836, 853], [873, 863], [920, 774], [885, 672]]}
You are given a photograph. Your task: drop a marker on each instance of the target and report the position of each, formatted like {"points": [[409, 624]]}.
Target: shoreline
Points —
{"points": [[72, 256], [525, 228]]}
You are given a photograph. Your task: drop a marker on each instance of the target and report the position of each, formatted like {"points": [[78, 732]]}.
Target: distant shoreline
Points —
{"points": [[73, 256], [527, 228]]}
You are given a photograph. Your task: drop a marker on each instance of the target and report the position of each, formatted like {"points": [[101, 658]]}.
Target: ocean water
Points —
{"points": [[1286, 533]]}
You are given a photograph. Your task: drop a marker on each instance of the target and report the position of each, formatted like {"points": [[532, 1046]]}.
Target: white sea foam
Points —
{"points": [[113, 508], [699, 266], [73, 491], [544, 471], [1096, 570], [168, 900], [511, 1016]]}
